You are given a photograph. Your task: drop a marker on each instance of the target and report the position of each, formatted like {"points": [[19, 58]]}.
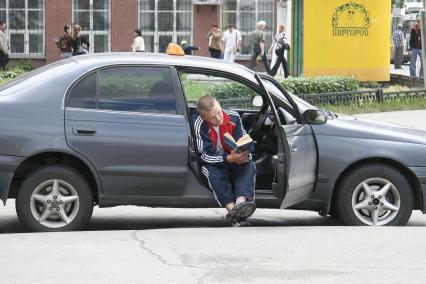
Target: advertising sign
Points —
{"points": [[347, 38]]}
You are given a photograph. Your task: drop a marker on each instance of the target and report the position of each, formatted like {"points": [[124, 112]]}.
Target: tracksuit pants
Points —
{"points": [[229, 181]]}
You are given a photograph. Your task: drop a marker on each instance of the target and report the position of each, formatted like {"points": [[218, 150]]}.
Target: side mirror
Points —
{"points": [[257, 101], [314, 116]]}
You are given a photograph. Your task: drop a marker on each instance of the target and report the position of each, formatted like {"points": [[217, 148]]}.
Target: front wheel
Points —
{"points": [[54, 198], [375, 195]]}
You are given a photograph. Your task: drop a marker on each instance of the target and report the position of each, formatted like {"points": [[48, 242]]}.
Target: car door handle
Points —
{"points": [[293, 147], [277, 159], [83, 131]]}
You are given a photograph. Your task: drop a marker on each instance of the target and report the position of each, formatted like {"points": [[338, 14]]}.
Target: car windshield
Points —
{"points": [[301, 104]]}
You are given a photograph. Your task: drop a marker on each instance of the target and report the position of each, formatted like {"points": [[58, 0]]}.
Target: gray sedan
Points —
{"points": [[115, 129]]}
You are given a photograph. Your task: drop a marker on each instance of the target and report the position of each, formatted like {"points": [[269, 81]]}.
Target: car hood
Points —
{"points": [[349, 126]]}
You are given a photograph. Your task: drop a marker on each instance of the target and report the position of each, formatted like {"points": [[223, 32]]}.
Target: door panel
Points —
{"points": [[135, 154], [303, 163]]}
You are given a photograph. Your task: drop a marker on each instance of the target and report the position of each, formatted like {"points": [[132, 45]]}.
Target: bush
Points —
{"points": [[318, 85]]}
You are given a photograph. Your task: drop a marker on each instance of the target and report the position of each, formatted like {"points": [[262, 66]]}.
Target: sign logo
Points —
{"points": [[350, 19]]}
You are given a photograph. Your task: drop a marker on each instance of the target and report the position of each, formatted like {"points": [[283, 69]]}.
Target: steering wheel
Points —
{"points": [[263, 115]]}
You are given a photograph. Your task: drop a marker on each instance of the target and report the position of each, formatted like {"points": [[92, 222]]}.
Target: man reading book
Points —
{"points": [[230, 173]]}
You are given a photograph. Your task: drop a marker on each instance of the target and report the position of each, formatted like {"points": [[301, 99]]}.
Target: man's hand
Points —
{"points": [[238, 158]]}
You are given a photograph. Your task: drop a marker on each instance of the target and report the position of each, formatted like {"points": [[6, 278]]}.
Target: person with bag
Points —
{"points": [[79, 45], [257, 39], [232, 43], [215, 41], [64, 42], [4, 46], [280, 45]]}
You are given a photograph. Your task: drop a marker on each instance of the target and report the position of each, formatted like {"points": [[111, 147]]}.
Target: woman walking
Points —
{"points": [[281, 45], [138, 43], [79, 44]]}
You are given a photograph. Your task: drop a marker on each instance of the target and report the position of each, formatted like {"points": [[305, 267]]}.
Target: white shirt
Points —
{"points": [[138, 44], [230, 39], [219, 143]]}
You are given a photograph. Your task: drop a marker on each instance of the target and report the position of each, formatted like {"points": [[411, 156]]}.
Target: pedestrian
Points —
{"points": [[257, 39], [398, 44], [187, 48], [230, 175], [231, 43], [138, 43], [4, 46], [215, 41], [280, 46], [65, 42], [80, 45], [416, 49]]}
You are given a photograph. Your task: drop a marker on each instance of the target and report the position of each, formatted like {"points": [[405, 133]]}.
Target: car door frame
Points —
{"points": [[282, 161]]}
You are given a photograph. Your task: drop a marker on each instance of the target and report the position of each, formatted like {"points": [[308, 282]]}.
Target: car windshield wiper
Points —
{"points": [[330, 114]]}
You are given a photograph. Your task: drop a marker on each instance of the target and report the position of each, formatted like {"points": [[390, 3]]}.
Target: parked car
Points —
{"points": [[115, 129]]}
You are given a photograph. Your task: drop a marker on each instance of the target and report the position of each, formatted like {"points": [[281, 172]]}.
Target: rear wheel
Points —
{"points": [[54, 198], [375, 195]]}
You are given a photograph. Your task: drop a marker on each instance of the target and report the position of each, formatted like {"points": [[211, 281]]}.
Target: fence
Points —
{"points": [[363, 97]]}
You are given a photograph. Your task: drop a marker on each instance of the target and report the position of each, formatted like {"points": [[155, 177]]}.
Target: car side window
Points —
{"points": [[83, 94], [137, 89], [126, 88], [229, 93]]}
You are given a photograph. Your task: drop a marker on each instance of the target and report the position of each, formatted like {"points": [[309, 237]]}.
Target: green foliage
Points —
{"points": [[320, 85], [230, 90], [25, 65], [115, 87]]}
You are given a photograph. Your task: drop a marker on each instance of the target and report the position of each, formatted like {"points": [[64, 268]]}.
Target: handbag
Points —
{"points": [[286, 46]]}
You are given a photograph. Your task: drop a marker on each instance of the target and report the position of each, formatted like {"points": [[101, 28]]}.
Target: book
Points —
{"points": [[241, 145]]}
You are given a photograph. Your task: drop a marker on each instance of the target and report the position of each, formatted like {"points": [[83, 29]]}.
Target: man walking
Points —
{"points": [[398, 43], [257, 38], [416, 49], [232, 43], [4, 46]]}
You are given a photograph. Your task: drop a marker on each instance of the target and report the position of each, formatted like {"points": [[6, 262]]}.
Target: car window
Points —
{"points": [[287, 116], [83, 94], [126, 88], [229, 93], [139, 89]]}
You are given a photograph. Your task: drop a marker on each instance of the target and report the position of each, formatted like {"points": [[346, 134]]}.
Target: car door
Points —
{"points": [[124, 120], [296, 160]]}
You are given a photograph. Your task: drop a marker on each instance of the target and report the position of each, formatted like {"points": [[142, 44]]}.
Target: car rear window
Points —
{"points": [[126, 88], [31, 74]]}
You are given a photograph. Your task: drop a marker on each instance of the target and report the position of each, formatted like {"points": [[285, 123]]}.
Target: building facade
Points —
{"points": [[32, 25]]}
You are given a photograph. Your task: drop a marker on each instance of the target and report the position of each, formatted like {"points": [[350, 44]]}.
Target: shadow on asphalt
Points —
{"points": [[11, 225]]}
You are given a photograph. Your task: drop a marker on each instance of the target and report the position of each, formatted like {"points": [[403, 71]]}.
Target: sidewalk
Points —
{"points": [[405, 70]]}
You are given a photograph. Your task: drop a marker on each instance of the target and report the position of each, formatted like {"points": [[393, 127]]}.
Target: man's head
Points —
{"points": [[417, 24], [230, 28], [399, 27], [210, 110], [183, 43], [261, 25], [2, 25]]}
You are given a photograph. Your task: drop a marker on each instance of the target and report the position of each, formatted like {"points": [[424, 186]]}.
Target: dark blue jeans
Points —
{"points": [[229, 181]]}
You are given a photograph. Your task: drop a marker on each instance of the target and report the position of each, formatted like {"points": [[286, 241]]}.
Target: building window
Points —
{"points": [[94, 17], [244, 14], [24, 26], [165, 21]]}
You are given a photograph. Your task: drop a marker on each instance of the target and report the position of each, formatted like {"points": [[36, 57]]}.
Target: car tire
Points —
{"points": [[374, 195], [54, 198]]}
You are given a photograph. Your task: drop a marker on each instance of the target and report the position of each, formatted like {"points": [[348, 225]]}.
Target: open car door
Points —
{"points": [[296, 161]]}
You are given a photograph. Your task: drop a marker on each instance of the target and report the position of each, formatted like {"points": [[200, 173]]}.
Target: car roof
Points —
{"points": [[100, 59]]}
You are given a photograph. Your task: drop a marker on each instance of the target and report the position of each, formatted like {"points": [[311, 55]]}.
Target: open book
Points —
{"points": [[241, 145]]}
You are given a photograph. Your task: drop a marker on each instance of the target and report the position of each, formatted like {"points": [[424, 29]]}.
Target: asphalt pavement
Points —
{"points": [[129, 244]]}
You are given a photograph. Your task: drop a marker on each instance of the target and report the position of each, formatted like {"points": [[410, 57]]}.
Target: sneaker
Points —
{"points": [[245, 209]]}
